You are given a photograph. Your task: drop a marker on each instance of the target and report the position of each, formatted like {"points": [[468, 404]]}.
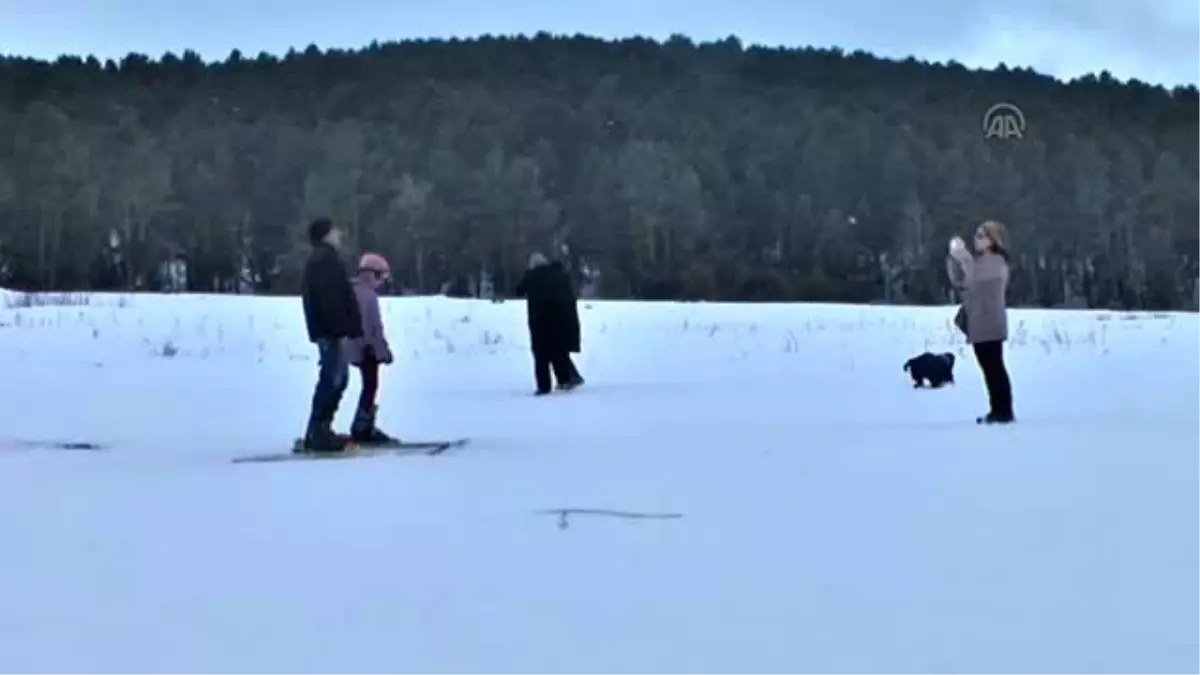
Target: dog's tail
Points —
{"points": [[907, 365]]}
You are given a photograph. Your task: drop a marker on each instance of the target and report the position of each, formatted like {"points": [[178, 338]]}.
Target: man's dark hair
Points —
{"points": [[317, 230]]}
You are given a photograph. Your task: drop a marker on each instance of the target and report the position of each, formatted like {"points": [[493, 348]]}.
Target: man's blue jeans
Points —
{"points": [[332, 377]]}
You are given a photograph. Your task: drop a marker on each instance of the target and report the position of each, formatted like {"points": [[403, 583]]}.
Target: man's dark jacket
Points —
{"points": [[330, 308], [551, 305]]}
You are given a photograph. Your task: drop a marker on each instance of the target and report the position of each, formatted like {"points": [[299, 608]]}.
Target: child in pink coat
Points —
{"points": [[371, 350]]}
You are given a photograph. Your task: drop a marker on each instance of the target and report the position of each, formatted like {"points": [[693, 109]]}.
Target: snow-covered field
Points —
{"points": [[833, 519]]}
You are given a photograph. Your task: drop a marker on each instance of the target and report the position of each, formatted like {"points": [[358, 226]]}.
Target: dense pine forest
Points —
{"points": [[657, 170]]}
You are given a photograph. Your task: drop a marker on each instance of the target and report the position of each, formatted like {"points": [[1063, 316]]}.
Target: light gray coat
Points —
{"points": [[983, 283], [372, 324]]}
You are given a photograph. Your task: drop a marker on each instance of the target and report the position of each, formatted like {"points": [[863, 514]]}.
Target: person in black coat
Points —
{"points": [[553, 323], [331, 314]]}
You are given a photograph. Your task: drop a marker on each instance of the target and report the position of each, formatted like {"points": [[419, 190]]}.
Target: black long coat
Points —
{"points": [[330, 307], [552, 309]]}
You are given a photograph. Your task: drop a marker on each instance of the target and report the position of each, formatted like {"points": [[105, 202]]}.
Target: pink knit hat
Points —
{"points": [[373, 262]]}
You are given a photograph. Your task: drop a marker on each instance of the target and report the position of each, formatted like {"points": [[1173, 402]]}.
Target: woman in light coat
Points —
{"points": [[371, 350], [982, 280]]}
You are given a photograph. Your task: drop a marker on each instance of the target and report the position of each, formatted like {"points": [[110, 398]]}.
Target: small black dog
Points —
{"points": [[937, 369]]}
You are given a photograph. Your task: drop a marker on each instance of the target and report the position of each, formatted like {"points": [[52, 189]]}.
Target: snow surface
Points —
{"points": [[834, 519]]}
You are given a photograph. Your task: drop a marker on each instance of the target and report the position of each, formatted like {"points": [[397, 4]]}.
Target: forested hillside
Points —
{"points": [[658, 170]]}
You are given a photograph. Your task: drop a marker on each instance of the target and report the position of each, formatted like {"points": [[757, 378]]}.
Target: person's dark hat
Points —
{"points": [[317, 230]]}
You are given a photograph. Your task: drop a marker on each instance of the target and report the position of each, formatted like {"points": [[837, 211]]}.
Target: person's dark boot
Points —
{"points": [[364, 431], [995, 418], [320, 437], [574, 381]]}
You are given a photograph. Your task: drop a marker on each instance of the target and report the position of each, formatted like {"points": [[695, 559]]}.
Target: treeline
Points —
{"points": [[657, 170]]}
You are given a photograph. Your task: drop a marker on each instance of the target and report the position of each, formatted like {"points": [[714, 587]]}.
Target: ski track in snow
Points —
{"points": [[832, 519]]}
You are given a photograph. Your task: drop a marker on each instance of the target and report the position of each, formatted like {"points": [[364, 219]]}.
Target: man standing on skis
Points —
{"points": [[331, 314]]}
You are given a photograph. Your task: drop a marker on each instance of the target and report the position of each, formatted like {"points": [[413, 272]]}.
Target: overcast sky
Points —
{"points": [[1153, 40]]}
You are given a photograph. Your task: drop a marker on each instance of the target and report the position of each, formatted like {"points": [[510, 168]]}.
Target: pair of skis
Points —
{"points": [[298, 453], [354, 450]]}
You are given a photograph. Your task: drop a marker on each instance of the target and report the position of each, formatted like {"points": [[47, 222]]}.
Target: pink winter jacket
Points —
{"points": [[372, 324]]}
